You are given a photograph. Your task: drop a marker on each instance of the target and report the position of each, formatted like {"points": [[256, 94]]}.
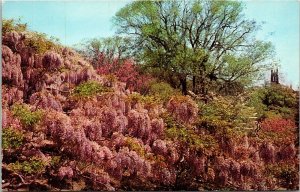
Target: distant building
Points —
{"points": [[274, 76]]}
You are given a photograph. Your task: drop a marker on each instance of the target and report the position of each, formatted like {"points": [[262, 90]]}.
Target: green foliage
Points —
{"points": [[27, 117], [177, 132], [12, 138], [9, 25], [55, 160], [166, 37], [255, 101], [274, 101], [89, 89], [111, 78], [33, 166], [40, 43], [226, 113], [146, 100], [162, 91], [133, 145]]}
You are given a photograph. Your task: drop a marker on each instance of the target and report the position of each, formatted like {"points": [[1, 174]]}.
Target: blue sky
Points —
{"points": [[72, 21]]}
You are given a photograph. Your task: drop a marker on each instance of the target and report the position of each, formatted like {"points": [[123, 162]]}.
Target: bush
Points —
{"points": [[133, 145], [163, 91], [277, 99], [40, 43], [226, 113], [183, 108], [12, 138], [33, 166], [89, 89], [286, 173], [277, 125], [177, 132], [146, 100], [9, 25], [55, 161], [126, 71], [27, 117], [278, 130]]}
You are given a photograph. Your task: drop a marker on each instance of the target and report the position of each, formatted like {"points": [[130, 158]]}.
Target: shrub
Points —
{"points": [[33, 166], [126, 71], [274, 100], [12, 138], [178, 132], [225, 113], [183, 108], [278, 130], [163, 91], [40, 43], [27, 117], [111, 78], [146, 100], [55, 161], [89, 89], [214, 116], [133, 145], [9, 25], [277, 125], [286, 173]]}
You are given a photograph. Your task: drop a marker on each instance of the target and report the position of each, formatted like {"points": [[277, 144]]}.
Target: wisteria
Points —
{"points": [[183, 108], [110, 141]]}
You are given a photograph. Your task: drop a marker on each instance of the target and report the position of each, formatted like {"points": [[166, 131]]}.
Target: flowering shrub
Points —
{"points": [[52, 60], [183, 108], [278, 130], [178, 132], [126, 72], [129, 141], [286, 173], [277, 125], [65, 172]]}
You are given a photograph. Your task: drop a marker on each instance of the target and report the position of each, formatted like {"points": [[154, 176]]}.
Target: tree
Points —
{"points": [[198, 41], [105, 50]]}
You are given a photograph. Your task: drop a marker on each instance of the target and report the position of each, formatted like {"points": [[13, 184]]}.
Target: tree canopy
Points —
{"points": [[200, 41]]}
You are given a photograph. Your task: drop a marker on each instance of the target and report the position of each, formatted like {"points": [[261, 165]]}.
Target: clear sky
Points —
{"points": [[72, 21]]}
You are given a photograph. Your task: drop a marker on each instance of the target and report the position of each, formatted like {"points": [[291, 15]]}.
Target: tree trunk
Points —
{"points": [[194, 84], [183, 86]]}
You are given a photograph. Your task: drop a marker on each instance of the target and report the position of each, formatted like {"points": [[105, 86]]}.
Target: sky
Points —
{"points": [[73, 21]]}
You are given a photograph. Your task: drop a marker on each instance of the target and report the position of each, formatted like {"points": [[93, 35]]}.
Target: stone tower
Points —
{"points": [[274, 76]]}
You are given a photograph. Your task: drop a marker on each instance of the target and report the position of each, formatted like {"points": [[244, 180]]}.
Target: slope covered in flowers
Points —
{"points": [[67, 127]]}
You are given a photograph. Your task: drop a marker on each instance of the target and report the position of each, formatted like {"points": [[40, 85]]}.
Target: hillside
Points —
{"points": [[67, 127]]}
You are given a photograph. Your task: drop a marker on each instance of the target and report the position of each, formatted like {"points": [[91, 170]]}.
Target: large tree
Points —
{"points": [[200, 41]]}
